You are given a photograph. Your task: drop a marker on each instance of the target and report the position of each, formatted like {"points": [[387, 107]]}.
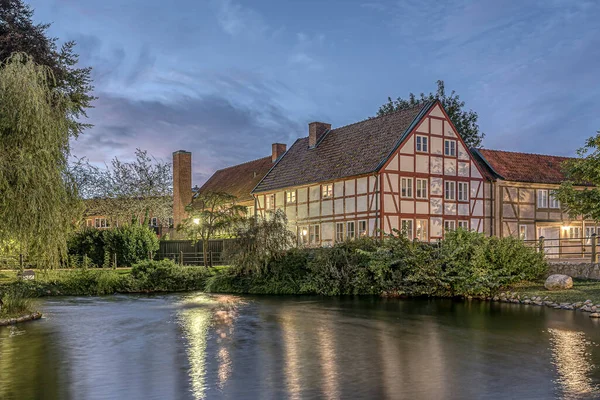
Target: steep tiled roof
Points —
{"points": [[521, 167], [351, 150], [238, 180]]}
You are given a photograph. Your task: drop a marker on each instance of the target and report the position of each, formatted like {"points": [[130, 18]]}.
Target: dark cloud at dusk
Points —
{"points": [[225, 78]]}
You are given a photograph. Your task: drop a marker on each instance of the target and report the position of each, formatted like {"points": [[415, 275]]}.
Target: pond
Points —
{"points": [[196, 346]]}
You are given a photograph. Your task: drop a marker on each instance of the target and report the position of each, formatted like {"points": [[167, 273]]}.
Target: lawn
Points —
{"points": [[582, 290]]}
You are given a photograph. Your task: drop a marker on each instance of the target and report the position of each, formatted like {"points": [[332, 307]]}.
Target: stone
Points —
{"points": [[588, 302], [567, 307], [538, 303], [558, 282], [593, 308], [496, 298], [526, 301], [595, 315]]}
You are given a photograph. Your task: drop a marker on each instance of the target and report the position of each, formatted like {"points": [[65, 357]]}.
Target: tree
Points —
{"points": [[126, 191], [18, 33], [464, 121], [39, 199], [211, 215], [582, 171]]}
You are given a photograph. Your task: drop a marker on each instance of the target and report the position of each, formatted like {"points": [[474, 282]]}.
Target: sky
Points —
{"points": [[225, 79]]}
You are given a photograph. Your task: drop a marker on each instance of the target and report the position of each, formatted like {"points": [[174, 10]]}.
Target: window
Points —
{"points": [[449, 226], [449, 190], [421, 188], [589, 231], [89, 222], [463, 191], [315, 234], [542, 198], [290, 197], [523, 232], [171, 219], [572, 232], [100, 222], [464, 225], [450, 148], [407, 228], [407, 187], [327, 190], [154, 222], [553, 201], [339, 231], [303, 234], [350, 230], [421, 230], [422, 144], [362, 228], [269, 202]]}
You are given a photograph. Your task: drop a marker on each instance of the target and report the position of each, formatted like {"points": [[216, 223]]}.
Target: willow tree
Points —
{"points": [[38, 199]]}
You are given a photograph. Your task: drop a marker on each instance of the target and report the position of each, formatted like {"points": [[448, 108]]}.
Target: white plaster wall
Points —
{"points": [[314, 209], [436, 145], [409, 146], [315, 193], [436, 206], [450, 166], [361, 203], [448, 131], [436, 165], [361, 185], [339, 206], [463, 154], [436, 126], [422, 162], [450, 208], [407, 207], [327, 207], [302, 211], [436, 186], [437, 112], [350, 190], [477, 206], [279, 199], [463, 169], [338, 189], [350, 205], [474, 171], [463, 209], [435, 226], [327, 231], [388, 204], [422, 207], [302, 195], [393, 164], [407, 164]]}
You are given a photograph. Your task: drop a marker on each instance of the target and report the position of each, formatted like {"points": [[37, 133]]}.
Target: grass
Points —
{"points": [[582, 290], [15, 304]]}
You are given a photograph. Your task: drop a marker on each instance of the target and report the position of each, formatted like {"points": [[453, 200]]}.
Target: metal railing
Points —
{"points": [[585, 248]]}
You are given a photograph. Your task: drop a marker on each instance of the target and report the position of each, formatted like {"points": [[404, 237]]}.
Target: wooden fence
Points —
{"points": [[585, 248], [185, 252]]}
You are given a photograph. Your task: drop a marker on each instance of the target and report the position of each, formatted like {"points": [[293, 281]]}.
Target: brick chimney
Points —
{"points": [[277, 151], [182, 184], [316, 130]]}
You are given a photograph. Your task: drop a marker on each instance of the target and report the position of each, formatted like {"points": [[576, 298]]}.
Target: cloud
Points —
{"points": [[236, 20]]}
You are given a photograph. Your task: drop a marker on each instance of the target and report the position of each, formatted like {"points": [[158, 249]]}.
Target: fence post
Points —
{"points": [[21, 261], [115, 260], [210, 259], [541, 244], [181, 258], [594, 249]]}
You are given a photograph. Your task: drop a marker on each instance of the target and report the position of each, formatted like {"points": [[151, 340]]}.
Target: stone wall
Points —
{"points": [[584, 270]]}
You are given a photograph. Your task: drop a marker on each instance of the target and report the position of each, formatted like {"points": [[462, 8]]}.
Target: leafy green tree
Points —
{"points": [[39, 200], [211, 215], [582, 171], [464, 121], [18, 33]]}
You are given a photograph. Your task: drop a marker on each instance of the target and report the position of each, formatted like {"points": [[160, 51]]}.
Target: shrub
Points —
{"points": [[165, 275], [15, 302], [131, 243], [87, 242]]}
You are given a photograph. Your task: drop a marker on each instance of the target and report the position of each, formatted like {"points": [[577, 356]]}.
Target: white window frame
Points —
{"points": [[269, 202], [589, 230], [406, 188], [553, 202], [339, 234], [542, 198], [314, 234], [449, 225], [303, 234], [421, 231], [89, 223], [422, 144], [463, 224], [327, 191], [573, 232], [100, 222], [350, 233], [450, 148], [463, 191], [422, 188], [523, 232], [450, 194], [407, 228], [290, 197], [362, 228], [154, 222]]}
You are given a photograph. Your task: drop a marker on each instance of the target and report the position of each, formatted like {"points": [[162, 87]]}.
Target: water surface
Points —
{"points": [[197, 346]]}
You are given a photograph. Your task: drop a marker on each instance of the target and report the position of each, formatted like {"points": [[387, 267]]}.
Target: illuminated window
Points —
{"points": [[421, 230], [523, 232], [350, 232], [421, 192], [407, 187], [422, 145], [269, 202], [449, 190], [362, 228], [573, 232], [463, 191], [327, 190], [339, 231], [450, 148], [290, 197], [303, 235]]}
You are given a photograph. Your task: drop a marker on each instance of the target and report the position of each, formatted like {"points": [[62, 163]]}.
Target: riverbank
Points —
{"points": [[20, 319]]}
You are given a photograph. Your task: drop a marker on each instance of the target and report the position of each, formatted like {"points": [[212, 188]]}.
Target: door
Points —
{"points": [[551, 236]]}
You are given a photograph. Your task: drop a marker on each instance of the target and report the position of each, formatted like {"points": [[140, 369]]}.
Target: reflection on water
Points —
{"points": [[570, 353], [213, 347]]}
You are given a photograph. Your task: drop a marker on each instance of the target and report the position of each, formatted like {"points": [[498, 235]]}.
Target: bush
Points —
{"points": [[131, 243], [15, 302], [165, 275], [88, 242]]}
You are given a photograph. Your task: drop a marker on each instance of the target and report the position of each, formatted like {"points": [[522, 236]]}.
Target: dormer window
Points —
{"points": [[327, 190], [290, 197]]}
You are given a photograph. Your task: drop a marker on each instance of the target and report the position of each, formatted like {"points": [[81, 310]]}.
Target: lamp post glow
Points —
{"points": [[196, 221]]}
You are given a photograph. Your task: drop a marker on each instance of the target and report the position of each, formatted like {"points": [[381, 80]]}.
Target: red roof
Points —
{"points": [[521, 167], [239, 180]]}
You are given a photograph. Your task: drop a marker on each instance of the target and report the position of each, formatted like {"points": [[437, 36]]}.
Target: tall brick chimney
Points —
{"points": [[277, 151], [182, 184], [316, 130]]}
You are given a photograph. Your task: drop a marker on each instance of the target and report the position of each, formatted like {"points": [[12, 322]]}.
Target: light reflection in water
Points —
{"points": [[329, 362], [573, 363], [292, 354]]}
